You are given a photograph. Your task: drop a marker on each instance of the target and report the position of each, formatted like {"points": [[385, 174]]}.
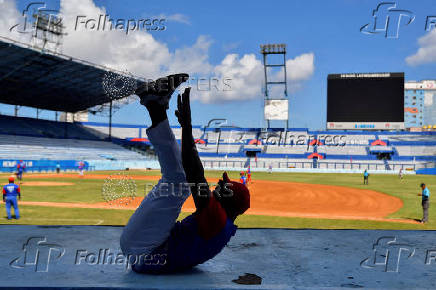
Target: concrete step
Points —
{"points": [[67, 257]]}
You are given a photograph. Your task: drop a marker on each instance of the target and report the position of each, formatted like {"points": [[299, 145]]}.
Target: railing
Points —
{"points": [[211, 164], [259, 164], [46, 169], [363, 166]]}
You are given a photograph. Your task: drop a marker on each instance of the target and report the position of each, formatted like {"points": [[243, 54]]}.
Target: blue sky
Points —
{"points": [[330, 30]]}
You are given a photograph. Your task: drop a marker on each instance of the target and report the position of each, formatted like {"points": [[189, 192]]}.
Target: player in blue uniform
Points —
{"points": [[21, 166], [81, 167], [152, 233], [10, 193], [243, 178]]}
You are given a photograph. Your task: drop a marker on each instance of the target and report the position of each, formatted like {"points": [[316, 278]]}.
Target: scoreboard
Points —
{"points": [[368, 101]]}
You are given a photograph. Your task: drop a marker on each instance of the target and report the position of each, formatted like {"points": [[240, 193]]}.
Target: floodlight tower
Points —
{"points": [[48, 29], [271, 101]]}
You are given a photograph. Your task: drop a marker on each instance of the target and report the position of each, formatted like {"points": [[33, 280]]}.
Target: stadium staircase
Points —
{"points": [[315, 150], [387, 167]]}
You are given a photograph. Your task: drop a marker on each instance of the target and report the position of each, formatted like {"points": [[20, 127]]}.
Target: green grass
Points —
{"points": [[83, 190], [89, 191]]}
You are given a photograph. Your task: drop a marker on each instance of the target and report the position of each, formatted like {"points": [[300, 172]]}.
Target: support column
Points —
{"points": [[110, 120]]}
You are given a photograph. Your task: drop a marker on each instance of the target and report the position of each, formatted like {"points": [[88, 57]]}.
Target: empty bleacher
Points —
{"points": [[27, 138], [35, 139], [43, 128], [416, 150], [37, 148], [343, 150], [288, 149], [409, 137]]}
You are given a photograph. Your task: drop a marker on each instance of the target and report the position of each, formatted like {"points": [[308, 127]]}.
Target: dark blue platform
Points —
{"points": [[67, 257]]}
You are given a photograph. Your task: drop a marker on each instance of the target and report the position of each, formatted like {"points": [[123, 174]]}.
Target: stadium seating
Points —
{"points": [[25, 138], [230, 147], [43, 128], [25, 147]]}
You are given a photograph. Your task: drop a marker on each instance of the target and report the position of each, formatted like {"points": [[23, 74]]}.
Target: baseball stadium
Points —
{"points": [[77, 182], [299, 178]]}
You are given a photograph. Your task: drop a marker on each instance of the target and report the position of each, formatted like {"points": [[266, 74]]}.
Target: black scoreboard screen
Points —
{"points": [[365, 101]]}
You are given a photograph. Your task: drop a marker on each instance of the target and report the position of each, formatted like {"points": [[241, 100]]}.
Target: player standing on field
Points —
{"points": [[425, 202], [81, 166], [249, 175], [243, 178], [365, 177], [21, 166], [10, 193]]}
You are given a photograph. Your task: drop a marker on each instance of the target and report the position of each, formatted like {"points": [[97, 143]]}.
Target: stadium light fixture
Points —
{"points": [[273, 48]]}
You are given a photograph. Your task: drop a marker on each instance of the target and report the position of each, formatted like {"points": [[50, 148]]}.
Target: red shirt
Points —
{"points": [[211, 220]]}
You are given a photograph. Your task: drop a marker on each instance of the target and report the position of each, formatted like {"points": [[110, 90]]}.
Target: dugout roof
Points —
{"points": [[45, 80]]}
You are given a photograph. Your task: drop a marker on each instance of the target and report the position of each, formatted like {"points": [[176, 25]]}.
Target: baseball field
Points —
{"points": [[278, 200]]}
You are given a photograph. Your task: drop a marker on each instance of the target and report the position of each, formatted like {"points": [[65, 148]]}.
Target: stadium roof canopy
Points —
{"points": [[51, 81]]}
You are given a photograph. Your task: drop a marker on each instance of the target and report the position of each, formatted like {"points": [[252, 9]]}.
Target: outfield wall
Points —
{"points": [[429, 171], [10, 165], [123, 164], [310, 170]]}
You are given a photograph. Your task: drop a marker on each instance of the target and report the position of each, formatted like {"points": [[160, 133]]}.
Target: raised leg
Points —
{"points": [[150, 225]]}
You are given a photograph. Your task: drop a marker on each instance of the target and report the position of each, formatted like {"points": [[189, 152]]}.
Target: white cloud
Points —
{"points": [[142, 54], [427, 51], [138, 52], [181, 18], [9, 17], [192, 58], [245, 79], [231, 46], [246, 75], [301, 67]]}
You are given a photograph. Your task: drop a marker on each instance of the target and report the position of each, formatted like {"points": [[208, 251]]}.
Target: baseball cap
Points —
{"points": [[239, 202]]}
